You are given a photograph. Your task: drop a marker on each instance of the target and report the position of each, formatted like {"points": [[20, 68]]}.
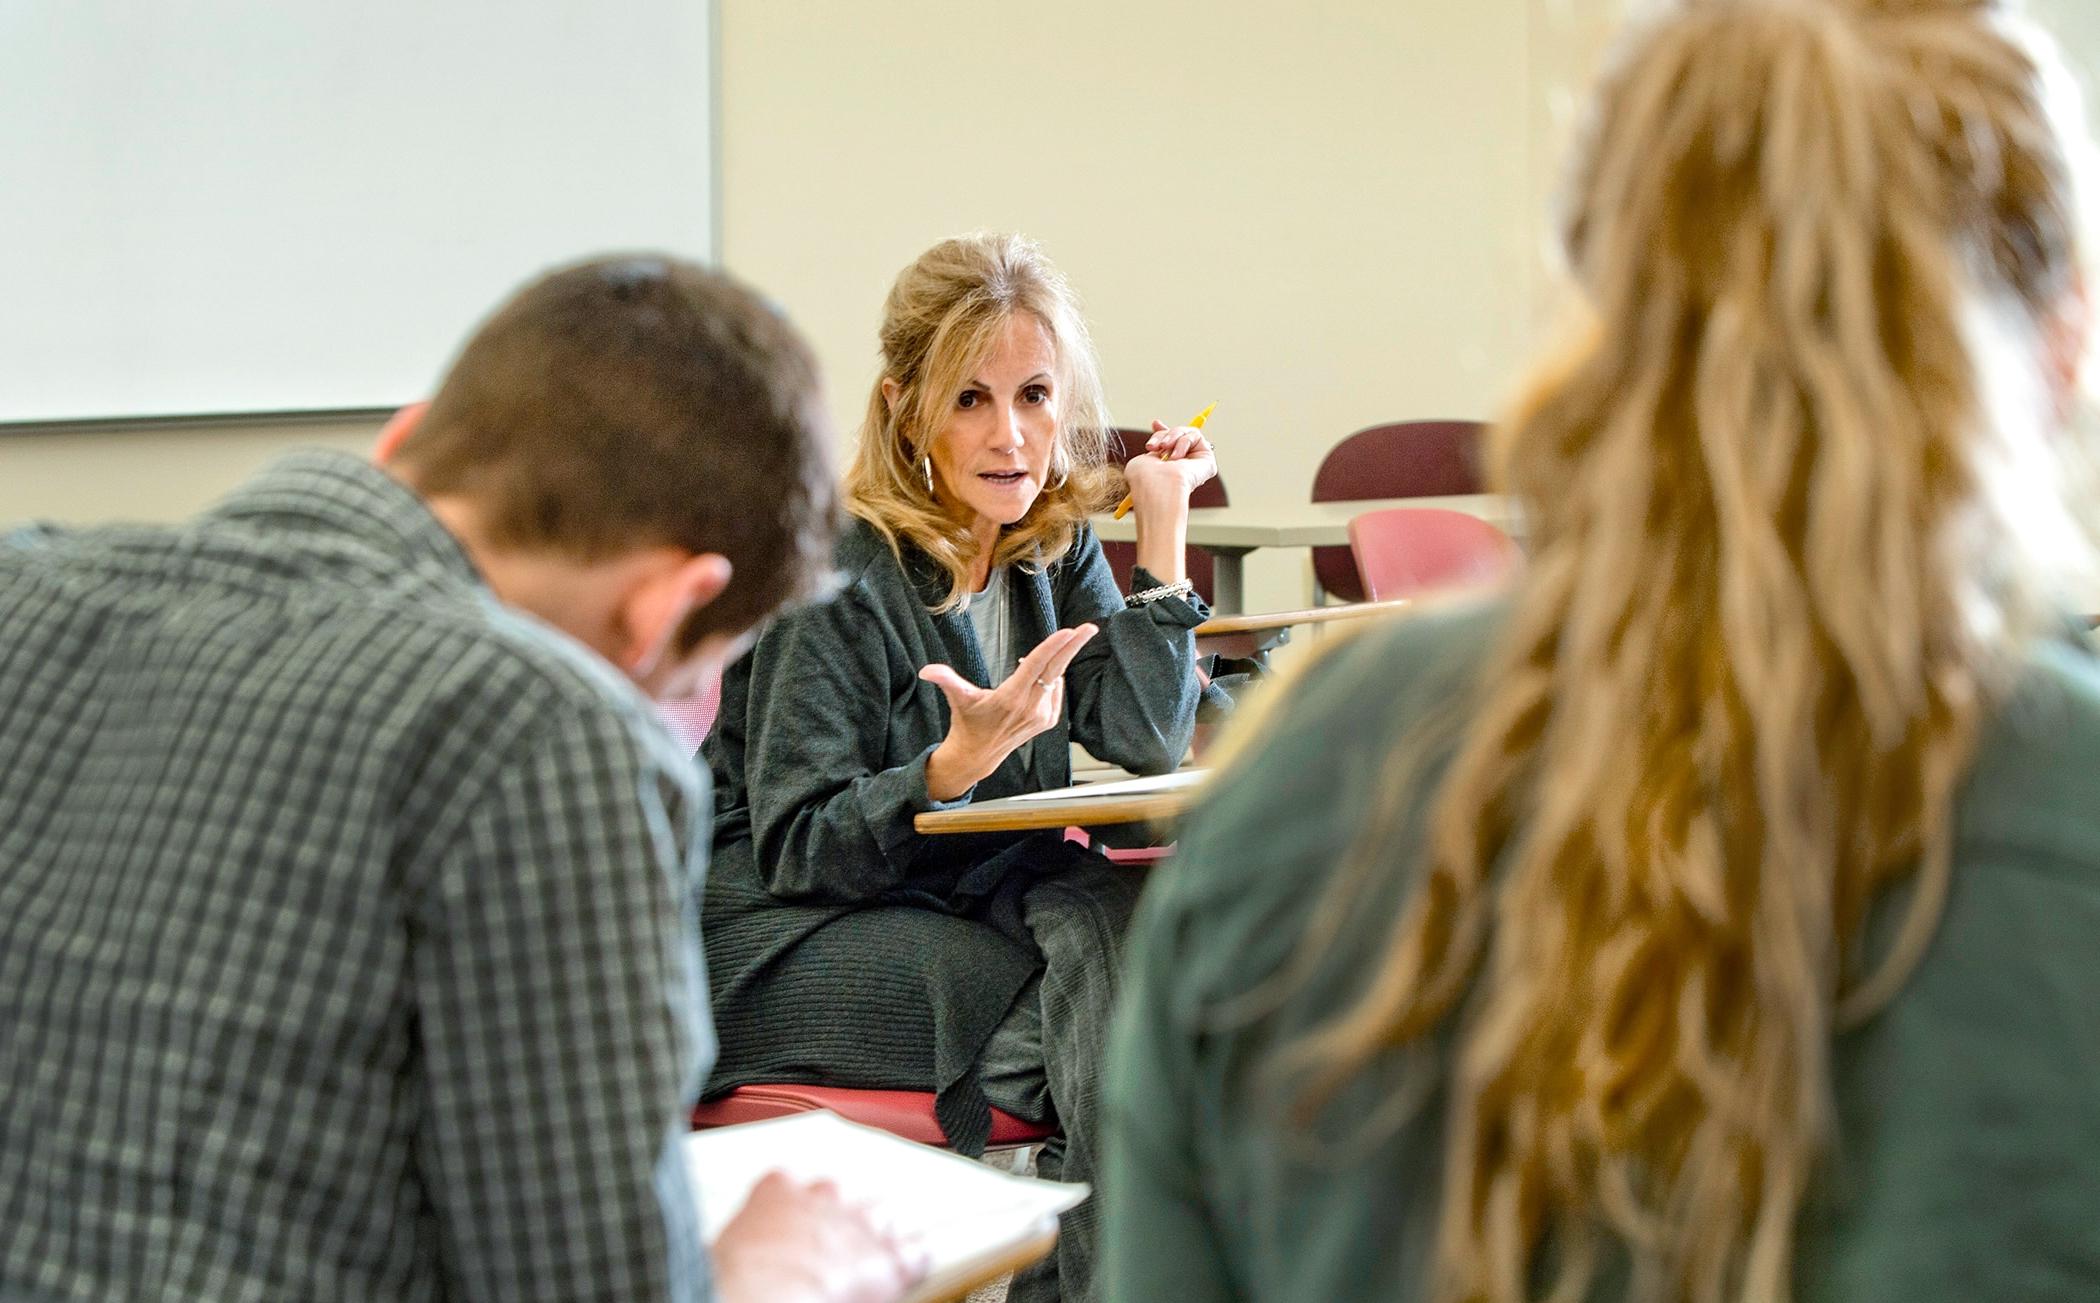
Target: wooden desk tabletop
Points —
{"points": [[1224, 625], [1304, 524], [1249, 635], [1020, 814]]}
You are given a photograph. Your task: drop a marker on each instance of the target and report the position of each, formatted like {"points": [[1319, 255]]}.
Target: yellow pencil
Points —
{"points": [[1123, 507]]}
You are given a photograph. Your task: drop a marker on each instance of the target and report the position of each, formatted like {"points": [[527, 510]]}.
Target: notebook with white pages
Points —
{"points": [[974, 1222]]}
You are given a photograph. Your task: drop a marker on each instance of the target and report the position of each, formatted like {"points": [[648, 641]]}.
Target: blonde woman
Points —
{"points": [[1715, 918], [978, 632]]}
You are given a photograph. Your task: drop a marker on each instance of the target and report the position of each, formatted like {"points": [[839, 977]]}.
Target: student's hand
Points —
{"points": [[795, 1243], [1176, 460], [986, 724]]}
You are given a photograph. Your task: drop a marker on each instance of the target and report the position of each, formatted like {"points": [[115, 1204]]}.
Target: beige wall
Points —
{"points": [[2076, 24], [149, 471]]}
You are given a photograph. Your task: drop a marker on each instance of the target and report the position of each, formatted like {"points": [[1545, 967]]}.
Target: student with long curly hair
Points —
{"points": [[1713, 917]]}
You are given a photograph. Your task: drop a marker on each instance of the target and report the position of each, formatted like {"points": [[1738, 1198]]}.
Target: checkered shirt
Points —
{"points": [[347, 946]]}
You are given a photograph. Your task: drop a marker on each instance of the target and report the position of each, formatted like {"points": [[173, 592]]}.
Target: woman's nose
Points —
{"points": [[1009, 428]]}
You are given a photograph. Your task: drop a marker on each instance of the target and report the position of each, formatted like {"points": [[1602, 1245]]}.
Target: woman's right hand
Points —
{"points": [[985, 725]]}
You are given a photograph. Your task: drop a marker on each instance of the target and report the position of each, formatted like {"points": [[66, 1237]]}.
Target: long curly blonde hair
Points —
{"points": [[1788, 512], [942, 318]]}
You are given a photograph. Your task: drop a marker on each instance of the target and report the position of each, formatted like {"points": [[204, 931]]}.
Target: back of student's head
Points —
{"points": [[1792, 524], [637, 401]]}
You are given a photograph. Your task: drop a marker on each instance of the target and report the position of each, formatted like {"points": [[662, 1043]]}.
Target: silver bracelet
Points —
{"points": [[1183, 590]]}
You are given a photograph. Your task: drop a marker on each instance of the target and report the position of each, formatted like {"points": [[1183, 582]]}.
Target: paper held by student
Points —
{"points": [[974, 1222]]}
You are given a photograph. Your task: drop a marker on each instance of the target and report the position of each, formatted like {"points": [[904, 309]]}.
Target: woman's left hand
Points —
{"points": [[1176, 460]]}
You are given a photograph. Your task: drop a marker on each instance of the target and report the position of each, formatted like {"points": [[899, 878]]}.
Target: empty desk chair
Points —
{"points": [[1404, 459], [1402, 551]]}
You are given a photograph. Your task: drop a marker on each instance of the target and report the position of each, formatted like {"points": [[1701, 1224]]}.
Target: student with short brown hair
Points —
{"points": [[347, 882], [639, 401]]}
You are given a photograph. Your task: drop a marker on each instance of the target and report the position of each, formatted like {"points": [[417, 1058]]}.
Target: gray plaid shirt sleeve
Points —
{"points": [[347, 935], [559, 1002]]}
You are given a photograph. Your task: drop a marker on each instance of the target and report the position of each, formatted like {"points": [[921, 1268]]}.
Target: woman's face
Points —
{"points": [[993, 453]]}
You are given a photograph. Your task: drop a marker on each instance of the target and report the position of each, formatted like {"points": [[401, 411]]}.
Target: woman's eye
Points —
{"points": [[1036, 394], [967, 398]]}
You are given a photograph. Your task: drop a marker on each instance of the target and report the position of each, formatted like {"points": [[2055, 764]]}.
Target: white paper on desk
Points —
{"points": [[958, 1210], [1175, 781]]}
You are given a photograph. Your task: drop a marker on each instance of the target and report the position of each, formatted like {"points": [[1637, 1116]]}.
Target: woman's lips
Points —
{"points": [[1003, 477]]}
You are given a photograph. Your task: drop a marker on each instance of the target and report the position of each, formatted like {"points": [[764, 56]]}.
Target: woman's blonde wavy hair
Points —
{"points": [[1788, 504], [943, 316]]}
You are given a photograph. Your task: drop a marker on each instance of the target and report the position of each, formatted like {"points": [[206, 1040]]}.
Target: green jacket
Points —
{"points": [[1967, 1164]]}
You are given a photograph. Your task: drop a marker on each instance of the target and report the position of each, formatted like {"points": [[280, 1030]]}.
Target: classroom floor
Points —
{"points": [[992, 1293], [1021, 1162]]}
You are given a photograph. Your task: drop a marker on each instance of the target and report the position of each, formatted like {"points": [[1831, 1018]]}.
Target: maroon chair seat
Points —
{"points": [[1405, 459], [904, 1113], [1122, 446]]}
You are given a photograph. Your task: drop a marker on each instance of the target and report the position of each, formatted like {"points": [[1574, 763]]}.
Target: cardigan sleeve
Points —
{"points": [[1132, 691], [829, 820]]}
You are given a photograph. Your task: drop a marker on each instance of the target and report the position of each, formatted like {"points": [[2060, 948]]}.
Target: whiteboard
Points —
{"points": [[228, 206]]}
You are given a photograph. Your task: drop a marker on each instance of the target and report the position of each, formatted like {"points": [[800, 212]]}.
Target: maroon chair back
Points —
{"points": [[1403, 551], [1122, 446], [1406, 459]]}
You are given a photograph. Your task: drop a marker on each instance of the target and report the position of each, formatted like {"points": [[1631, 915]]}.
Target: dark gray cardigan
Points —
{"points": [[842, 946]]}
